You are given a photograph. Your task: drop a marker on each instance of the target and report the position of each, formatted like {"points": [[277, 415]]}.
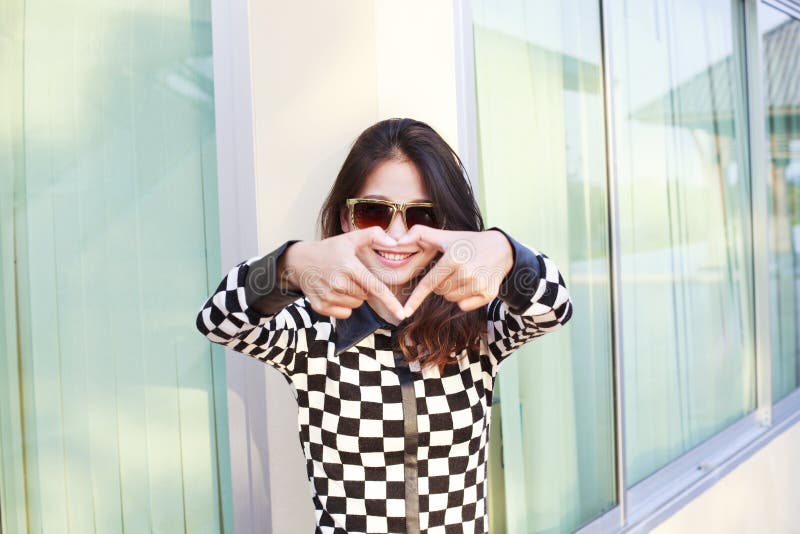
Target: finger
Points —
{"points": [[373, 286], [323, 308], [339, 312], [343, 300], [425, 236], [473, 303], [455, 291], [368, 237], [471, 286], [342, 283], [356, 291], [438, 275]]}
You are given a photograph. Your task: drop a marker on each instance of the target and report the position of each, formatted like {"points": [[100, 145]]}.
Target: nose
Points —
{"points": [[397, 228]]}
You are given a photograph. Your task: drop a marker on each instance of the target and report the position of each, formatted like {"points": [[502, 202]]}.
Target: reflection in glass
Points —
{"points": [[542, 178], [108, 418], [780, 42], [684, 225]]}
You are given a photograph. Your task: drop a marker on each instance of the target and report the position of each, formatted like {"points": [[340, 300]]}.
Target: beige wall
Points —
{"points": [[760, 496], [322, 72]]}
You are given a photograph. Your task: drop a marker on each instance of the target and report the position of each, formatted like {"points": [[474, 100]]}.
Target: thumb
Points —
{"points": [[374, 236]]}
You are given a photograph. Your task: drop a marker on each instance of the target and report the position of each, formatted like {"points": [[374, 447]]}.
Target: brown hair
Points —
{"points": [[438, 327]]}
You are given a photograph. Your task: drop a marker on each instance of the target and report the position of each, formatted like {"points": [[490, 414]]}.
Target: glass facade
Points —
{"points": [[684, 219], [684, 223], [113, 415], [780, 45], [540, 123]]}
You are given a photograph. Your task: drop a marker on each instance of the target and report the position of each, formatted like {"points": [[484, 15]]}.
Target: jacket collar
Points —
{"points": [[362, 322]]}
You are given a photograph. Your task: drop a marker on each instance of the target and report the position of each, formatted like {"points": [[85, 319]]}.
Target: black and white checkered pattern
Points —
{"points": [[351, 413]]}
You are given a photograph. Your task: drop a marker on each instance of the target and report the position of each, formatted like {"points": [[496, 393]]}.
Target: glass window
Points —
{"points": [[108, 417], [542, 178], [683, 181], [780, 42]]}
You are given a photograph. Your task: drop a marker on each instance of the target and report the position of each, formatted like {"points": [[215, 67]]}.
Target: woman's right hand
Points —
{"points": [[332, 277]]}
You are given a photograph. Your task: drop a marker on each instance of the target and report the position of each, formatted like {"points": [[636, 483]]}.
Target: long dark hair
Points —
{"points": [[438, 327]]}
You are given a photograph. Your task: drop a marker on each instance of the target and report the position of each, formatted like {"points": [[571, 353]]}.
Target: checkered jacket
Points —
{"points": [[389, 446]]}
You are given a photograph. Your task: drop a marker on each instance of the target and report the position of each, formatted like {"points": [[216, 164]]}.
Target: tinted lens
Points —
{"points": [[421, 215], [368, 214]]}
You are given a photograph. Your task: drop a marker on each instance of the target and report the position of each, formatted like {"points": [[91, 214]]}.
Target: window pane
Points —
{"points": [[780, 41], [684, 225], [108, 418], [542, 178]]}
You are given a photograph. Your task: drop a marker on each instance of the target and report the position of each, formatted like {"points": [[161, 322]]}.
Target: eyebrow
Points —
{"points": [[381, 197]]}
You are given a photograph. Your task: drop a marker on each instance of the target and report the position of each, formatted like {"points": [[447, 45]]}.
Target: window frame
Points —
{"points": [[246, 383]]}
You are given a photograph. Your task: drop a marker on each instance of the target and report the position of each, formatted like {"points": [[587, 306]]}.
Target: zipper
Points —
{"points": [[410, 432]]}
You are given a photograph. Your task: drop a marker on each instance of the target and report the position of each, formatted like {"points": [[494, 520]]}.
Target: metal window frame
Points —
{"points": [[653, 500], [790, 7], [466, 108], [615, 257], [236, 186]]}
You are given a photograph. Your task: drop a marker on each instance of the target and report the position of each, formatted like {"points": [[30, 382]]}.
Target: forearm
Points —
{"points": [[251, 315], [532, 300], [271, 282], [518, 287]]}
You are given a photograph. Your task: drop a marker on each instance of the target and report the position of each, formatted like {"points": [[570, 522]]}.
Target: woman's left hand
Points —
{"points": [[470, 270]]}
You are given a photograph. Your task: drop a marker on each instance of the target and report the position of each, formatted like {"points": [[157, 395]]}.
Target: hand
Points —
{"points": [[470, 271], [331, 276]]}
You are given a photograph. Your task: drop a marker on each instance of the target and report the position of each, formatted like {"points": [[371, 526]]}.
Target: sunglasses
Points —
{"points": [[366, 212]]}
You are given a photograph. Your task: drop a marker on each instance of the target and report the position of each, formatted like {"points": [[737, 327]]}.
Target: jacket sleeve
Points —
{"points": [[533, 300], [250, 313]]}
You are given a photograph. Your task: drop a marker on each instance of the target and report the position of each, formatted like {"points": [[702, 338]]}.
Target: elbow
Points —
{"points": [[211, 329], [565, 312], [202, 322], [562, 300], [223, 317], [562, 307], [554, 319], [556, 313]]}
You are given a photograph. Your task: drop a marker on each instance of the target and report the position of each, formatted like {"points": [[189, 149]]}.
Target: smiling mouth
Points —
{"points": [[394, 256]]}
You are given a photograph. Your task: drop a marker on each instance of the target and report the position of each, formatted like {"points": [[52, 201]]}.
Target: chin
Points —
{"points": [[396, 278]]}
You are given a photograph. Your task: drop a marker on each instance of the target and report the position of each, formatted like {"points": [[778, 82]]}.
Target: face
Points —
{"points": [[398, 181]]}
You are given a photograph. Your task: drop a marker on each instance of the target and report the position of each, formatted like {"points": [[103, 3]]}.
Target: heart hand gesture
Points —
{"points": [[335, 288], [470, 270]]}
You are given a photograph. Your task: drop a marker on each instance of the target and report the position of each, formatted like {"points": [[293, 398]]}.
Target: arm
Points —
{"points": [[532, 300], [251, 313]]}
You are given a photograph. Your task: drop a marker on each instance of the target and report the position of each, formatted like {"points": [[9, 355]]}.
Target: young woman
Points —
{"points": [[390, 331]]}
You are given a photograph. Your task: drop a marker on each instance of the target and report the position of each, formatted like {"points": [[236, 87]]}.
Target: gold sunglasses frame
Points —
{"points": [[396, 206]]}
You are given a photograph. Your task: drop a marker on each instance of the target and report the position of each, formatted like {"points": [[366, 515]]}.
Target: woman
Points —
{"points": [[394, 433]]}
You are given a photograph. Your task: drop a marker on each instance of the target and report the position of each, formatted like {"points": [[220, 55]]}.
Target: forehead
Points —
{"points": [[395, 180]]}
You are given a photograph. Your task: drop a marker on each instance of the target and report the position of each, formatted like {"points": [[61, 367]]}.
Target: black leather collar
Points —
{"points": [[362, 322]]}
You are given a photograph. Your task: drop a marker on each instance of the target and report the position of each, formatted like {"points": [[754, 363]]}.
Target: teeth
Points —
{"points": [[393, 257]]}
